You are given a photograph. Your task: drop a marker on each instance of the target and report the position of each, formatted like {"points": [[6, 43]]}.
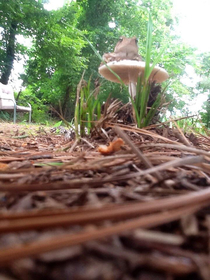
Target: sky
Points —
{"points": [[193, 28], [194, 22], [54, 4]]}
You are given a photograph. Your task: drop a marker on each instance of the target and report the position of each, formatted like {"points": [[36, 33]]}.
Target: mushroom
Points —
{"points": [[129, 71]]}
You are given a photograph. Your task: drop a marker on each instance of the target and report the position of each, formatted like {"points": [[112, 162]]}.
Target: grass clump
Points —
{"points": [[143, 114], [87, 108]]}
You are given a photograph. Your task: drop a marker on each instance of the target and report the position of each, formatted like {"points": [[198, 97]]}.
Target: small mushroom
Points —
{"points": [[129, 71]]}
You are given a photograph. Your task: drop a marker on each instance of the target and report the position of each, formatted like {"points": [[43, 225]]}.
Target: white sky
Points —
{"points": [[54, 4], [194, 22]]}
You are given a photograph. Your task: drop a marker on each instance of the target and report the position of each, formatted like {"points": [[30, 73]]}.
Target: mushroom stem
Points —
{"points": [[132, 89]]}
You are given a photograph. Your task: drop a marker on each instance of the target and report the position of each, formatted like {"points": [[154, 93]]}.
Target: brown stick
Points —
{"points": [[133, 147], [38, 247], [75, 183], [85, 216]]}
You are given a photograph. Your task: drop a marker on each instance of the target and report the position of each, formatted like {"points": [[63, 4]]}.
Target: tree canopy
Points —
{"points": [[59, 50], [21, 17]]}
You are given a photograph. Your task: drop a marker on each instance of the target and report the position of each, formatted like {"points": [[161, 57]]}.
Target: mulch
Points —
{"points": [[69, 212]]}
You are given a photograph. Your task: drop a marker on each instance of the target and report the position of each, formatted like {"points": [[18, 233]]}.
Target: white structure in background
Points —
{"points": [[8, 103]]}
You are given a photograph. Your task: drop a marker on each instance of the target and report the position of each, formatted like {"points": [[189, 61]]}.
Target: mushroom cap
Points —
{"points": [[130, 70]]}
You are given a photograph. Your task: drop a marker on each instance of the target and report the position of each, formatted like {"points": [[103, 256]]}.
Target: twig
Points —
{"points": [[177, 147], [86, 141], [83, 215], [143, 131], [189, 185], [140, 155], [74, 145], [181, 136], [169, 121], [75, 183], [38, 247], [179, 266], [21, 136], [60, 116]]}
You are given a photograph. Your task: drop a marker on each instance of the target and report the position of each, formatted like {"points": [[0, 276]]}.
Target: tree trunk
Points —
{"points": [[66, 102], [10, 54]]}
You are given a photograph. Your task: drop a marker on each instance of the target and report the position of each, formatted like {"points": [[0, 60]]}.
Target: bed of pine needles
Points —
{"points": [[69, 212]]}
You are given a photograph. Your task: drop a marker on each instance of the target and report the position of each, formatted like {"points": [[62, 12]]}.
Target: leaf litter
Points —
{"points": [[70, 212]]}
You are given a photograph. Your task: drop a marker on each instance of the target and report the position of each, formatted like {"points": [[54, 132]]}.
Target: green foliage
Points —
{"points": [[55, 60], [87, 110], [204, 69], [40, 108], [129, 18], [5, 116], [20, 17], [177, 94], [58, 124], [204, 72], [59, 53], [205, 115], [204, 86], [192, 125], [144, 86], [114, 90]]}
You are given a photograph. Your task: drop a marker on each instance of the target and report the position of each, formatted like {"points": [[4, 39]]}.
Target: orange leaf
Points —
{"points": [[113, 147]]}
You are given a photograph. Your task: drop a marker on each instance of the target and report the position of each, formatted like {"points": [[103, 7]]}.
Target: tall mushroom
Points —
{"points": [[129, 71]]}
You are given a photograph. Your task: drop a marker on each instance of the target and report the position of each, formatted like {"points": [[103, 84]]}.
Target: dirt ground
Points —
{"points": [[69, 212]]}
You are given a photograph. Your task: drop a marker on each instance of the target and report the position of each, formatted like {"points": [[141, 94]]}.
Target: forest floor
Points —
{"points": [[70, 212]]}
